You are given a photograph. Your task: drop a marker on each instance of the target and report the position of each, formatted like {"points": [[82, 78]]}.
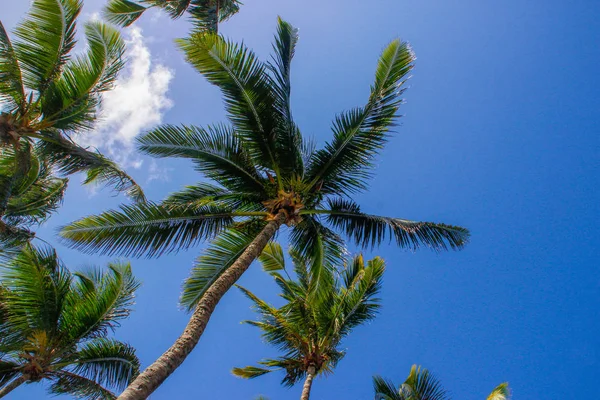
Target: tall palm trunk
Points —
{"points": [[149, 380], [310, 375], [13, 385]]}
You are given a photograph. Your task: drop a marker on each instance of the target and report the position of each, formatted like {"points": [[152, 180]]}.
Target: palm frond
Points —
{"points": [[245, 85], [41, 199], [250, 372], [289, 140], [80, 387], [370, 230], [123, 12], [38, 284], [500, 392], [98, 301], [217, 152], [215, 260], [343, 166], [202, 194], [272, 258], [71, 102], [11, 81], [70, 158], [386, 390], [107, 362], [422, 384], [8, 371], [45, 39]]}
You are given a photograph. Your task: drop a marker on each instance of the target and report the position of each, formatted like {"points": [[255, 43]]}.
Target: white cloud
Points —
{"points": [[158, 173], [137, 102]]}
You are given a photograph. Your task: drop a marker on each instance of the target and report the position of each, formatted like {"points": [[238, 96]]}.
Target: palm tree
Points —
{"points": [[422, 385], [47, 96], [266, 176], [32, 197], [54, 326], [204, 14], [320, 310]]}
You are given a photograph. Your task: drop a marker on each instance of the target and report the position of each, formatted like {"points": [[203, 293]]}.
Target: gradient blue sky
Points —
{"points": [[500, 135]]}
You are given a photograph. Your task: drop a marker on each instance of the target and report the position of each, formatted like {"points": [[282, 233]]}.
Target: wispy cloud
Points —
{"points": [[137, 102]]}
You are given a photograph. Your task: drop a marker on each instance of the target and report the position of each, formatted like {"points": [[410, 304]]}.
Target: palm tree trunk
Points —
{"points": [[13, 385], [149, 380], [310, 375]]}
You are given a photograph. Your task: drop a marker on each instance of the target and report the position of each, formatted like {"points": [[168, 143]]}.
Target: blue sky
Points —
{"points": [[499, 134]]}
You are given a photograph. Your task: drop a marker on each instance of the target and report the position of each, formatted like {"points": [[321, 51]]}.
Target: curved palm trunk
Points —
{"points": [[12, 385], [310, 375], [149, 380]]}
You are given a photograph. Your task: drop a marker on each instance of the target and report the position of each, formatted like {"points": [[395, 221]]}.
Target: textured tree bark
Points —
{"points": [[149, 380], [310, 375], [12, 385]]}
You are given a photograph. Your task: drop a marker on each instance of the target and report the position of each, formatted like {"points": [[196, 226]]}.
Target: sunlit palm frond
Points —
{"points": [[108, 362], [71, 101], [146, 229], [500, 392], [217, 152], [70, 158], [289, 139], [202, 194], [272, 258], [98, 301], [250, 372], [215, 260], [245, 85], [38, 284], [370, 230], [386, 390], [12, 91], [343, 166], [69, 383], [123, 12], [45, 38], [39, 201]]}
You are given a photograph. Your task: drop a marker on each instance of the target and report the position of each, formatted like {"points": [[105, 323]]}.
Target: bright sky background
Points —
{"points": [[500, 135]]}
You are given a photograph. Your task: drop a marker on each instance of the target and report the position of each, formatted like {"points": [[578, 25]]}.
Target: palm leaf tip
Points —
{"points": [[123, 12], [249, 372], [500, 392]]}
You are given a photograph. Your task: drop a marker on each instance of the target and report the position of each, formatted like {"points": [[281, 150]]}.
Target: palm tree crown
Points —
{"points": [[321, 308], [54, 326], [27, 198], [264, 175], [263, 169], [422, 385], [204, 14], [47, 96]]}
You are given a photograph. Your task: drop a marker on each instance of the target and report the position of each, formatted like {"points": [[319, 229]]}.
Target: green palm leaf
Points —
{"points": [[123, 12], [245, 85], [70, 158], [42, 198], [108, 362], [11, 82], [500, 392], [202, 194], [272, 258], [217, 152], [98, 302], [71, 101], [72, 384], [370, 230], [147, 228], [46, 37], [250, 372], [343, 166], [217, 258], [385, 389]]}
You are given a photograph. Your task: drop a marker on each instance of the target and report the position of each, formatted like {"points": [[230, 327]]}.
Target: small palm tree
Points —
{"points": [[54, 326], [33, 196], [47, 96], [422, 385], [320, 310], [204, 14], [266, 176]]}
